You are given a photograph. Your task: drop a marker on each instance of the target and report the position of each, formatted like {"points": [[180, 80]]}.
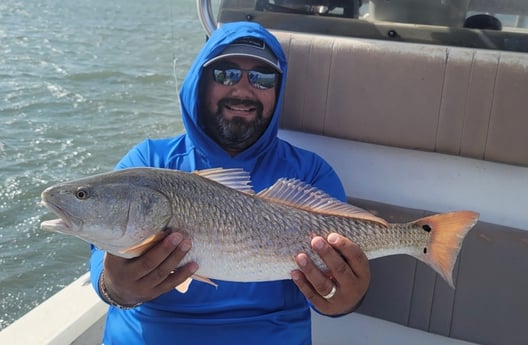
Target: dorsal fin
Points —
{"points": [[235, 178], [295, 193]]}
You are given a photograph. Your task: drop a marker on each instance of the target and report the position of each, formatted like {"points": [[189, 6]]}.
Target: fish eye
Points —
{"points": [[82, 194]]}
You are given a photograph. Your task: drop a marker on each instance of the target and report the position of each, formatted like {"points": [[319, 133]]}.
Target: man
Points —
{"points": [[231, 101]]}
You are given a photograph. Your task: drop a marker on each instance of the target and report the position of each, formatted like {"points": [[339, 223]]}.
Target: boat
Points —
{"points": [[420, 106]]}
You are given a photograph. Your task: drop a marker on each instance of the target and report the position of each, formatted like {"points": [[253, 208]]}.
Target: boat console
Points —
{"points": [[420, 106]]}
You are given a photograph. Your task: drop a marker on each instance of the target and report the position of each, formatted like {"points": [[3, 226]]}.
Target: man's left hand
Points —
{"points": [[340, 289]]}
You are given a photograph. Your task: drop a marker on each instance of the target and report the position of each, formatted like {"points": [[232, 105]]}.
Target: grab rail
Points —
{"points": [[205, 13]]}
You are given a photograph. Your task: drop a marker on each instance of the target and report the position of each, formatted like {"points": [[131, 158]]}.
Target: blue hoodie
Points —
{"points": [[251, 313]]}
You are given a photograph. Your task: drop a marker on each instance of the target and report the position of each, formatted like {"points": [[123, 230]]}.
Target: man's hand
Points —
{"points": [[132, 281], [346, 281]]}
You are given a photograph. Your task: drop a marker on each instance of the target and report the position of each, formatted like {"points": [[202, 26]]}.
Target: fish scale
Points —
{"points": [[237, 234]]}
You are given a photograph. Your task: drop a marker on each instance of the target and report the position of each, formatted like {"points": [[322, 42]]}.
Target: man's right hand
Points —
{"points": [[141, 279]]}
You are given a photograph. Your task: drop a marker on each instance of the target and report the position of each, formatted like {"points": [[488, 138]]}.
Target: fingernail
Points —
{"points": [[318, 243], [296, 275], [301, 260], [333, 238], [185, 245], [193, 267], [176, 238]]}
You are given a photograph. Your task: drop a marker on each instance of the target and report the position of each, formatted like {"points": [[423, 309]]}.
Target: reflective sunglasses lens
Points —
{"points": [[231, 76], [261, 80], [227, 77]]}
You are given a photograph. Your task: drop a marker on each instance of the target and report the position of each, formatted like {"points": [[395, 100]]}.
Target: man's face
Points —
{"points": [[236, 114]]}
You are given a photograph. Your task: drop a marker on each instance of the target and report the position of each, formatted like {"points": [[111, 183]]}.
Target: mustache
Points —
{"points": [[242, 102]]}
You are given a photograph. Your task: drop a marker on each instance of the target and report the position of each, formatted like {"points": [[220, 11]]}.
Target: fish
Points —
{"points": [[238, 234]]}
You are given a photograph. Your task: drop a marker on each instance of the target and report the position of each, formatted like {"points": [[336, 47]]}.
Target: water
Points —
{"points": [[81, 82]]}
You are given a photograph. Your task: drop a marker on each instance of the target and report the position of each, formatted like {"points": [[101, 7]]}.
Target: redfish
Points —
{"points": [[237, 234]]}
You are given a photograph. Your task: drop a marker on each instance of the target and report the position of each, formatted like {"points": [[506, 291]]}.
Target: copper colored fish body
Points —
{"points": [[238, 235]]}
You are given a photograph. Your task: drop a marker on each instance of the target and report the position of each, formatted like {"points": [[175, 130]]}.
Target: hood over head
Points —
{"points": [[251, 39]]}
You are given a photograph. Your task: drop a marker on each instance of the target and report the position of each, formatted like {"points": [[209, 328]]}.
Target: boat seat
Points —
{"points": [[412, 99], [453, 100]]}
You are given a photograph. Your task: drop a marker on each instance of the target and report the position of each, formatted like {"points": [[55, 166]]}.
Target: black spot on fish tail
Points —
{"points": [[427, 227], [425, 250]]}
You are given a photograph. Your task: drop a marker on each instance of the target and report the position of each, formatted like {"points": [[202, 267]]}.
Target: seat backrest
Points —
{"points": [[459, 101]]}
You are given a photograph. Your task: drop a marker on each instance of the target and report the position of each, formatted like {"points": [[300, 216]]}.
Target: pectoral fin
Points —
{"points": [[142, 247]]}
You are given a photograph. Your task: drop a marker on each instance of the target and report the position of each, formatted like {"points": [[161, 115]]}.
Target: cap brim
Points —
{"points": [[223, 56]]}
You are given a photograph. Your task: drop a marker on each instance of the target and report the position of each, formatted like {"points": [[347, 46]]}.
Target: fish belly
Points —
{"points": [[238, 264]]}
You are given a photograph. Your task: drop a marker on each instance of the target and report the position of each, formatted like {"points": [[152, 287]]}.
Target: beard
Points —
{"points": [[238, 133]]}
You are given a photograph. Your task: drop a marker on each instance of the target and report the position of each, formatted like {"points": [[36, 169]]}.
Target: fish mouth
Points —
{"points": [[65, 223]]}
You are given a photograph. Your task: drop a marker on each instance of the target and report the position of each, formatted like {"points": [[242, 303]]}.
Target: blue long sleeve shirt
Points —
{"points": [[272, 312]]}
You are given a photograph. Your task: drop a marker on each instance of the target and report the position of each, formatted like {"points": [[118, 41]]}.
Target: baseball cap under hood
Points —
{"points": [[251, 47]]}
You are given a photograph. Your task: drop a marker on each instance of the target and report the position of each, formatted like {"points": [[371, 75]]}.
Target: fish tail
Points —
{"points": [[447, 234]]}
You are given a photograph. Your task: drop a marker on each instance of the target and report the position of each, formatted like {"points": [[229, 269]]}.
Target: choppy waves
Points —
{"points": [[80, 83]]}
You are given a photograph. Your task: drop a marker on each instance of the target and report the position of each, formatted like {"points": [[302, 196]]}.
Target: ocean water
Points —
{"points": [[81, 82]]}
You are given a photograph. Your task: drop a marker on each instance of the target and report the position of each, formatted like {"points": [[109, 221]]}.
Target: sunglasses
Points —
{"points": [[231, 76]]}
